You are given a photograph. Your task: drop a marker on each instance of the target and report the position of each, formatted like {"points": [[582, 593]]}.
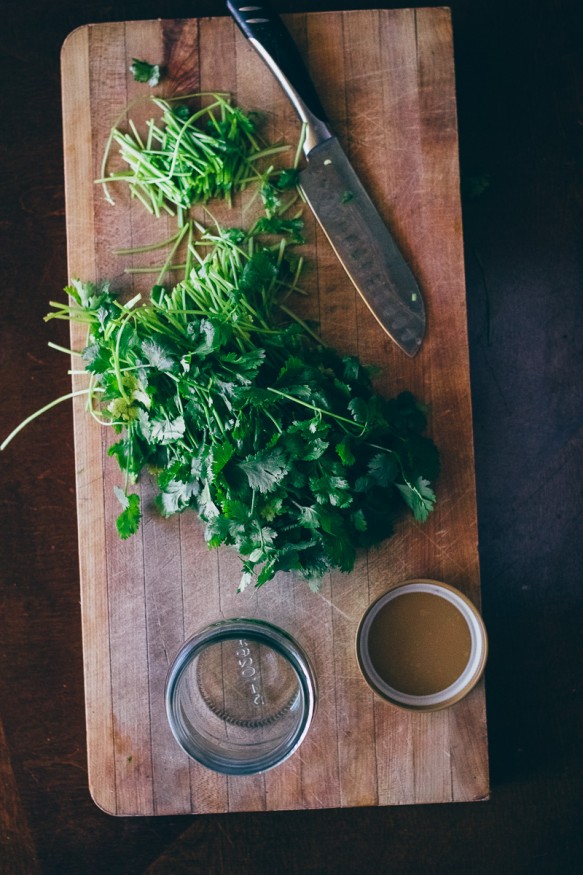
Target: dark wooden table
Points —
{"points": [[520, 102]]}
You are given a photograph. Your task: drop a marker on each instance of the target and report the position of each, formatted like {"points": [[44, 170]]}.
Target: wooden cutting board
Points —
{"points": [[386, 79]]}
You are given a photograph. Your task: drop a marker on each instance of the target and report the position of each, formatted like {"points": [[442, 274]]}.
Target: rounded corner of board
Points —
{"points": [[74, 38], [107, 805]]}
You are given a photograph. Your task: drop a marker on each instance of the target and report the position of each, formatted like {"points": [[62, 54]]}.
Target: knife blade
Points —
{"points": [[363, 243]]}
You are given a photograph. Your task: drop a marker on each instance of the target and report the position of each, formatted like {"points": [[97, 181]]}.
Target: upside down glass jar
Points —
{"points": [[240, 696]]}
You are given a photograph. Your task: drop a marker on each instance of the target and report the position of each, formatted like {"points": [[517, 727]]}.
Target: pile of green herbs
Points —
{"points": [[193, 155], [279, 444], [212, 384]]}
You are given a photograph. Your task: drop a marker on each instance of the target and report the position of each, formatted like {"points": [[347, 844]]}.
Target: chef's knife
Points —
{"points": [[346, 213]]}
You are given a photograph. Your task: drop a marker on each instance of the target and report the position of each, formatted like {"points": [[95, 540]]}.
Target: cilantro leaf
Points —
{"points": [[383, 469], [221, 455], [129, 455], [142, 71], [177, 495], [161, 429], [97, 359], [246, 580], [358, 520], [128, 520], [291, 228], [419, 497], [309, 516], [206, 506], [259, 270], [344, 451], [157, 356], [288, 178], [265, 469], [214, 333]]}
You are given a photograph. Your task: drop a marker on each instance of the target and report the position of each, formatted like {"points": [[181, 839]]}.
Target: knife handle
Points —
{"points": [[265, 30]]}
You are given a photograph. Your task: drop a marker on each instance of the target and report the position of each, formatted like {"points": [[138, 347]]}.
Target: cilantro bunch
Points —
{"points": [[280, 445], [217, 389]]}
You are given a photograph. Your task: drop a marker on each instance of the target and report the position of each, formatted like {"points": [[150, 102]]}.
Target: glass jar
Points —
{"points": [[240, 696]]}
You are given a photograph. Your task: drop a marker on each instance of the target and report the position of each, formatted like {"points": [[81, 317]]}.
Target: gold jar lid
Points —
{"points": [[422, 645]]}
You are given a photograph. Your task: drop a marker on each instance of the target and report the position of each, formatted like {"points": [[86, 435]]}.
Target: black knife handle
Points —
{"points": [[262, 25]]}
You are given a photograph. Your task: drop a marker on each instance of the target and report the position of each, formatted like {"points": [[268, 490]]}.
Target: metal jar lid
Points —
{"points": [[467, 678]]}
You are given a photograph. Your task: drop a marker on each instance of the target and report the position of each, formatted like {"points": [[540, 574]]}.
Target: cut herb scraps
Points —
{"points": [[143, 71], [190, 156]]}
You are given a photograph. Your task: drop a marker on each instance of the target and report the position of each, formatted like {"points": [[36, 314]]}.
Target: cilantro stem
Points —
{"points": [[399, 462], [150, 247], [159, 269], [189, 252], [63, 349], [129, 304], [274, 421], [266, 153], [109, 143], [116, 359], [171, 254], [42, 410], [301, 322], [312, 406]]}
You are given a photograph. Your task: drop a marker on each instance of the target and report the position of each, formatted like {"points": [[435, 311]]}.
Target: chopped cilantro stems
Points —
{"points": [[189, 156], [219, 390]]}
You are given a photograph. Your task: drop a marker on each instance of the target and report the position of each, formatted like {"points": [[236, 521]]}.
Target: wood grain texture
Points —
{"points": [[387, 81]]}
